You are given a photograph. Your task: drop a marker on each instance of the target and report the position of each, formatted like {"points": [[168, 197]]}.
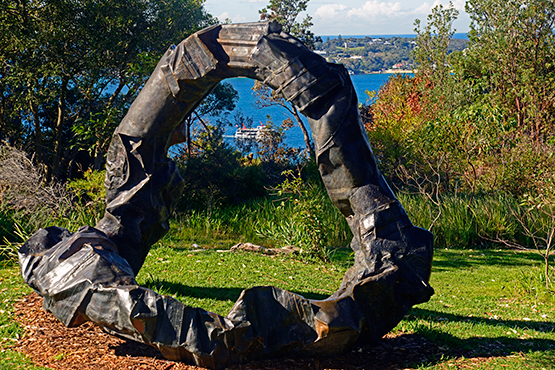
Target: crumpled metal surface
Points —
{"points": [[89, 275]]}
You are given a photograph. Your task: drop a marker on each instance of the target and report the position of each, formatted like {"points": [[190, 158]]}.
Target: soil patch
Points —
{"points": [[49, 343]]}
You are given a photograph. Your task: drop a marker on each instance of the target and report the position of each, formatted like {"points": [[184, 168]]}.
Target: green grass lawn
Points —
{"points": [[491, 309], [487, 304]]}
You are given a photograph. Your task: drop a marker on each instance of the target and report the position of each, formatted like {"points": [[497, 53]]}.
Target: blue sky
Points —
{"points": [[346, 17]]}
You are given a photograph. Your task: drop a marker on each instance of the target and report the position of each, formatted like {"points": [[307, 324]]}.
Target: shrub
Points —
{"points": [[23, 186], [29, 203], [217, 175], [309, 221]]}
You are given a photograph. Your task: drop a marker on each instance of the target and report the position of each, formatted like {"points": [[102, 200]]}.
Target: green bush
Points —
{"points": [[218, 176], [90, 188], [308, 221]]}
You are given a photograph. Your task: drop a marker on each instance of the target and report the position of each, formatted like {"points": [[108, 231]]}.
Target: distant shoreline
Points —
{"points": [[457, 35], [388, 71], [406, 71]]}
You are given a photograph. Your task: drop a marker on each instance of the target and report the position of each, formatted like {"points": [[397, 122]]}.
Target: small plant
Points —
{"points": [[305, 228], [60, 356], [90, 189], [537, 218], [23, 184], [9, 247]]}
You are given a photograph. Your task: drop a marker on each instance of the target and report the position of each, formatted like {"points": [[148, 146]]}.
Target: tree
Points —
{"points": [[510, 60], [69, 64], [222, 99], [286, 12], [266, 97], [435, 62], [431, 54]]}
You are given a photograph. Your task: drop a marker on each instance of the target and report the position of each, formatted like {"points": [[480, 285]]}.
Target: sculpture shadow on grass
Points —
{"points": [[431, 315], [488, 348], [220, 294], [475, 258], [416, 350]]}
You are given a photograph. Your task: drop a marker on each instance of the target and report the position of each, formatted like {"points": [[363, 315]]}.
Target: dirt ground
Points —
{"points": [[48, 343]]}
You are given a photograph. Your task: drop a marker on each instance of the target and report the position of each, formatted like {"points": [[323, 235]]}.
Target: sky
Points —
{"points": [[346, 17]]}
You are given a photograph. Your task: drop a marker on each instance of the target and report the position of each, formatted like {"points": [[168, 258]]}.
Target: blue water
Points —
{"points": [[246, 104]]}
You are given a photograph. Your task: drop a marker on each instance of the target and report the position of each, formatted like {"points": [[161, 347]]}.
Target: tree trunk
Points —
{"points": [[58, 132], [128, 97], [38, 132], [115, 94], [2, 114], [305, 133], [188, 134]]}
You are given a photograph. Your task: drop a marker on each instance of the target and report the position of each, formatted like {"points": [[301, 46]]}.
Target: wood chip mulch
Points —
{"points": [[49, 343]]}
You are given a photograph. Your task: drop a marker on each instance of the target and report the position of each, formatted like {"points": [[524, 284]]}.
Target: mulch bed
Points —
{"points": [[49, 343]]}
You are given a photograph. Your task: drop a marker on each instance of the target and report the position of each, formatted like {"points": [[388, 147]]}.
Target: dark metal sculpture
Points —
{"points": [[89, 275]]}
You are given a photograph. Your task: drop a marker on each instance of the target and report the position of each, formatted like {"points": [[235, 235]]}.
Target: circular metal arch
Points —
{"points": [[89, 275]]}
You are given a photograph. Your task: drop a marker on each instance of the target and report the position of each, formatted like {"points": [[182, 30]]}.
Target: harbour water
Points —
{"points": [[247, 107]]}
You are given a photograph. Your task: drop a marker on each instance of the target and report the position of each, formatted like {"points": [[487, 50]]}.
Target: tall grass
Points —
{"points": [[16, 226], [264, 221], [468, 222], [464, 222], [456, 220], [307, 220]]}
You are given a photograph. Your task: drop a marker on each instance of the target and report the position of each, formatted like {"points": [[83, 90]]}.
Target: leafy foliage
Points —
{"points": [[66, 64], [451, 121], [286, 12], [431, 55], [460, 132], [217, 175], [510, 61]]}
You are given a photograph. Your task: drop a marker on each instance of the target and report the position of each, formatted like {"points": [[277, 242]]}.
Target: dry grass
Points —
{"points": [[23, 185]]}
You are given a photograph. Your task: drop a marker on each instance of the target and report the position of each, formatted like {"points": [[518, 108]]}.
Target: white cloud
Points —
{"points": [[329, 11], [374, 9], [426, 8], [347, 17], [237, 18], [459, 4]]}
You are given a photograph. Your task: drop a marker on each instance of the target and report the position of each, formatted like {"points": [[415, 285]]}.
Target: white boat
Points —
{"points": [[247, 133], [251, 133]]}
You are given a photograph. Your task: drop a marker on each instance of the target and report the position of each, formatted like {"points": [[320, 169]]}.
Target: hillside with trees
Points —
{"points": [[375, 54], [476, 128]]}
